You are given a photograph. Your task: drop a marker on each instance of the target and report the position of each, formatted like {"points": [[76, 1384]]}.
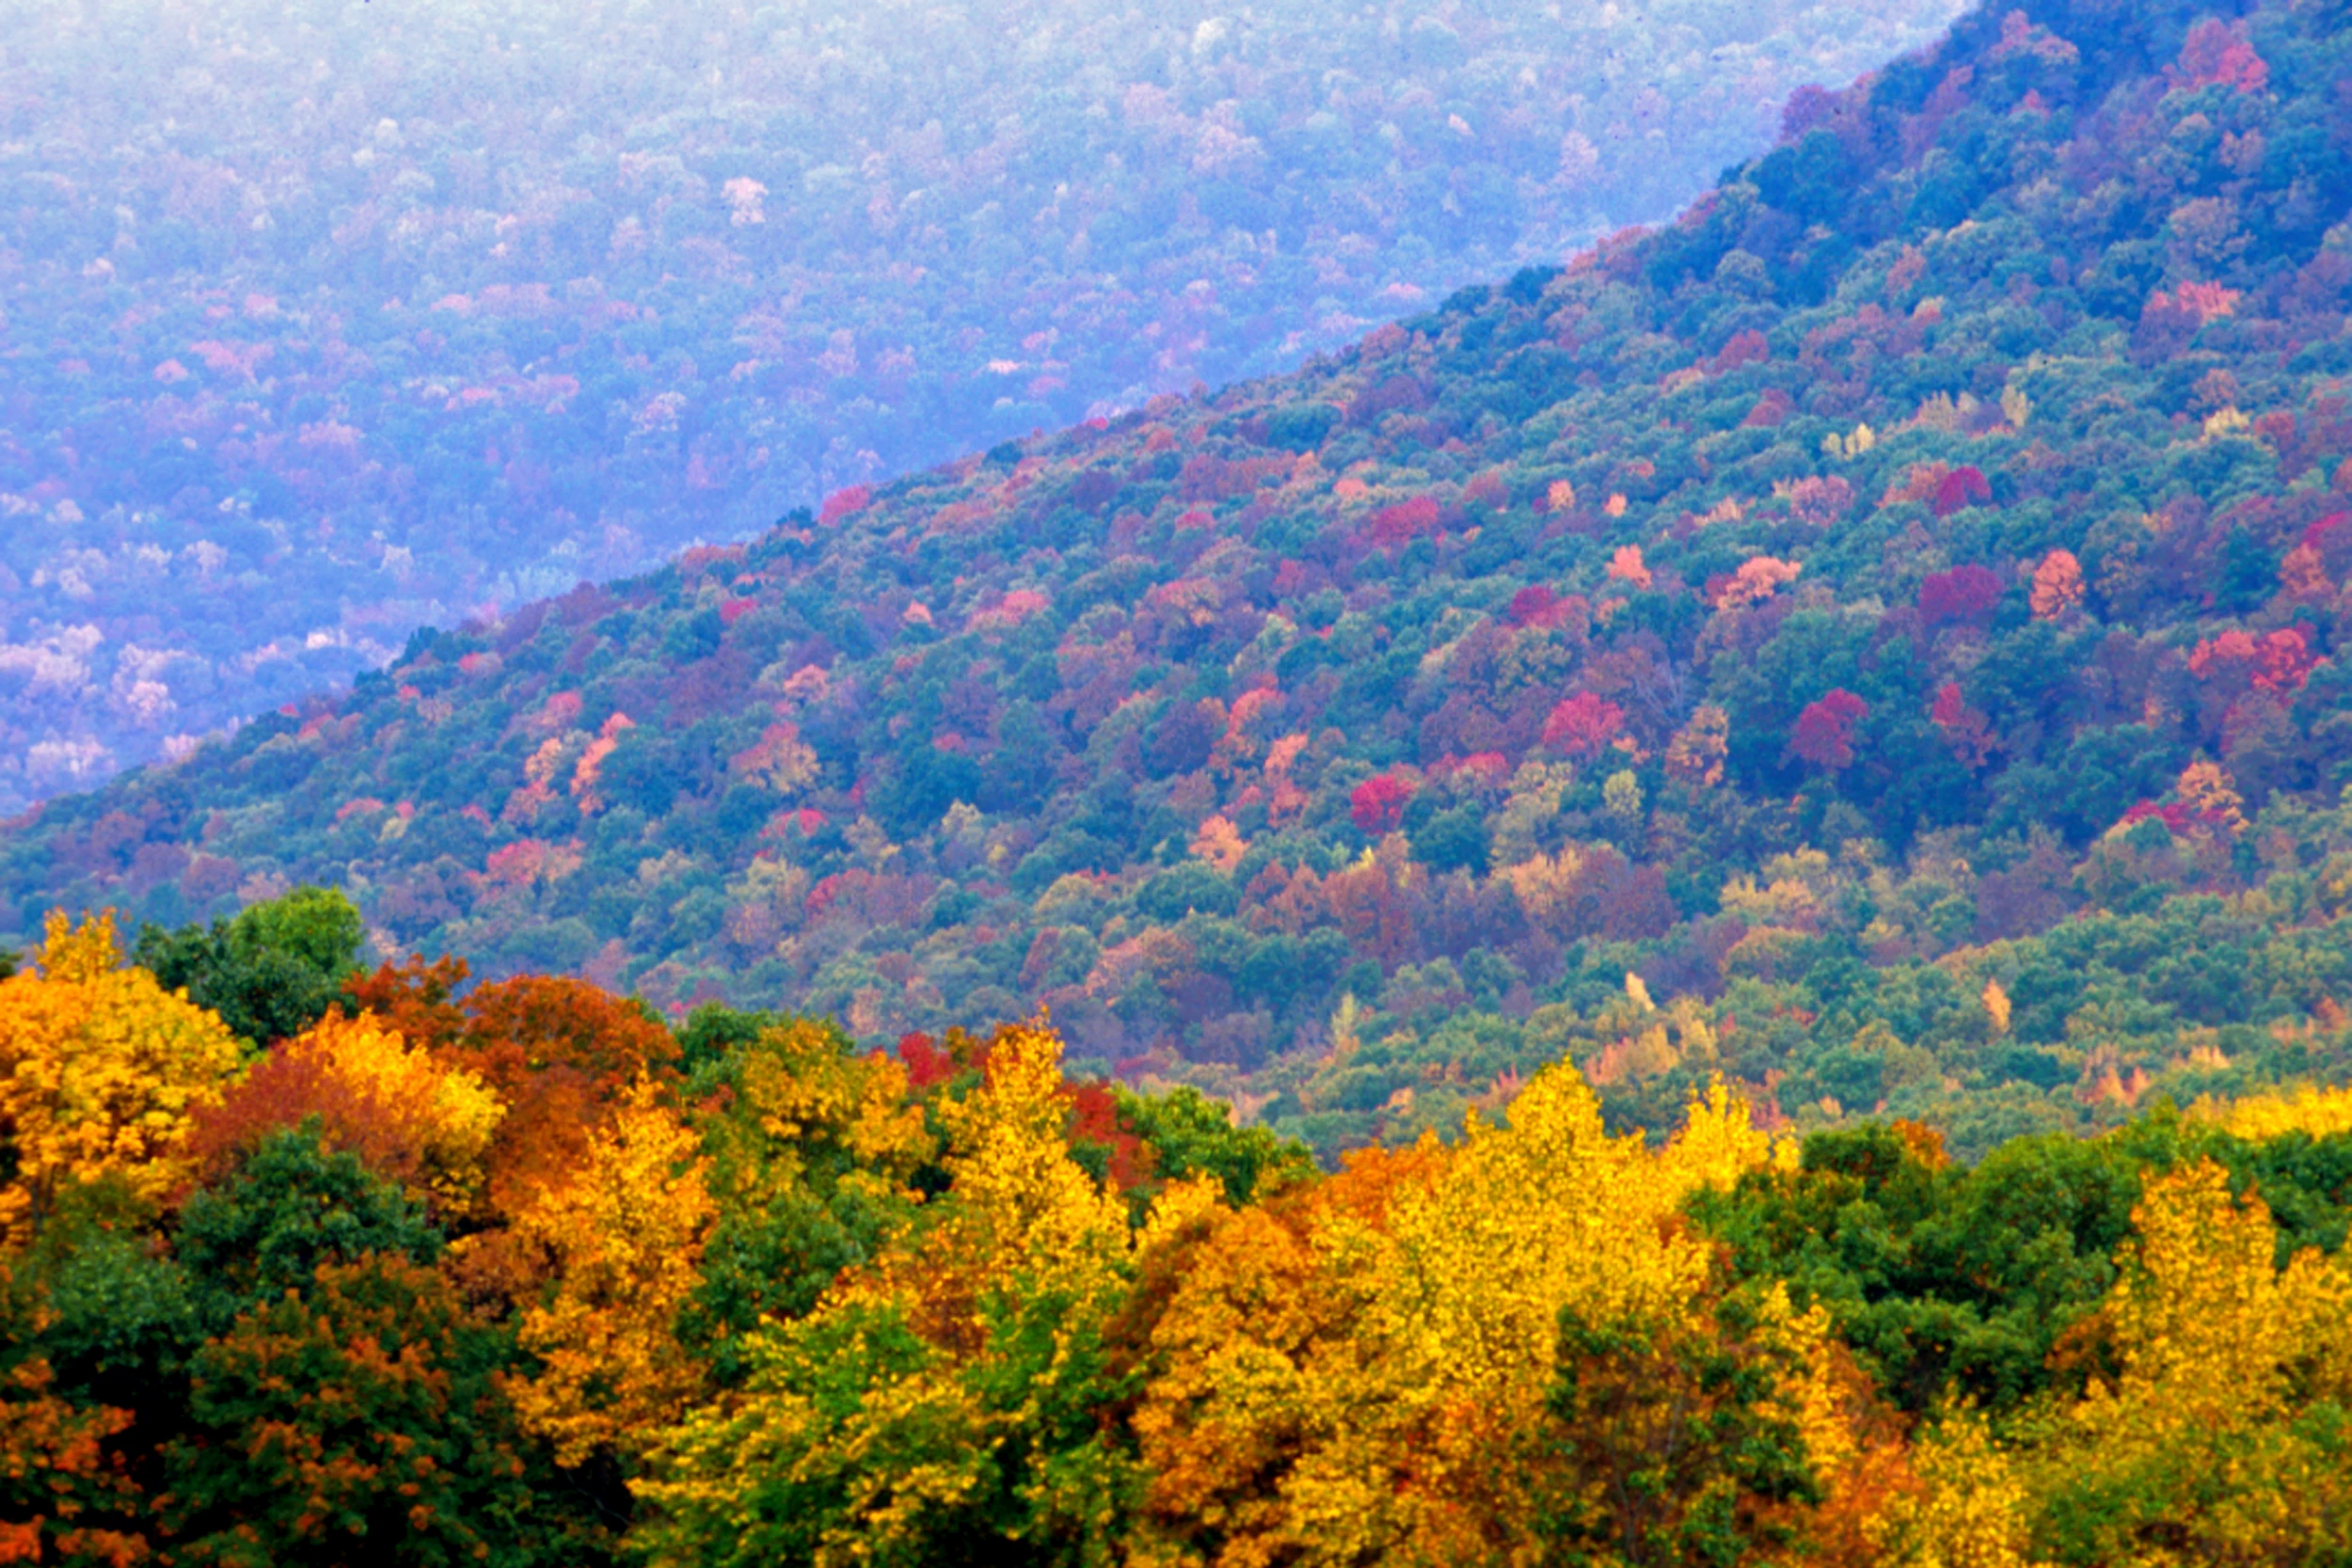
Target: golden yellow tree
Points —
{"points": [[1968, 1508], [99, 1067], [950, 1394], [423, 1122], [2220, 1437], [1368, 1380], [626, 1234]]}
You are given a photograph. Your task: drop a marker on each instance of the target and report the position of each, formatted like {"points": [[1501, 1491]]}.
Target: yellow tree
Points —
{"points": [[420, 1121], [626, 1234], [99, 1067], [2220, 1437], [1371, 1379], [947, 1400]]}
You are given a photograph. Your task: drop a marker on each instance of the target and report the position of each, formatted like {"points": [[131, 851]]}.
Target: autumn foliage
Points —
{"points": [[784, 1301]]}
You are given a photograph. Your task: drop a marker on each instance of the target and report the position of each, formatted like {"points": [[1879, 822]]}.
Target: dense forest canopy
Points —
{"points": [[515, 1274], [323, 321], [1693, 908], [1873, 639]]}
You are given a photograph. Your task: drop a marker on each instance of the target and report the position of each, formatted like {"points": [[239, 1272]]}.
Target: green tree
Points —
{"points": [[290, 1208], [1674, 1440], [364, 1419], [270, 972]]}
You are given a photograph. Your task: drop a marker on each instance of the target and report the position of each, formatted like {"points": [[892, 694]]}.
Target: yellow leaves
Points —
{"points": [[1560, 497], [1996, 1007], [2320, 1113], [2225, 421], [2207, 1322], [626, 1235], [99, 1067], [804, 1090], [2198, 1452], [1386, 1358], [1851, 446], [423, 1124], [1621, 795], [1720, 1142], [1545, 884], [2204, 788], [1615, 506], [1968, 1511], [1219, 843], [1695, 754], [1022, 1204]]}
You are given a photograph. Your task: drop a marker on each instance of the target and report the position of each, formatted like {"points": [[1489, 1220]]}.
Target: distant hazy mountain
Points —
{"points": [[322, 321]]}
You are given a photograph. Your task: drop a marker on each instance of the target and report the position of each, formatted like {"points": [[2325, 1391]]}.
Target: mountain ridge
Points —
{"points": [[1886, 616]]}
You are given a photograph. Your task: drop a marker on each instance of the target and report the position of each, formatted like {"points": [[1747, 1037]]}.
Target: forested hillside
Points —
{"points": [[321, 323], [525, 1277], [1873, 639]]}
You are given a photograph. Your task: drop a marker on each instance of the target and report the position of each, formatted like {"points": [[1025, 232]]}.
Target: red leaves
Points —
{"points": [[2279, 661], [1403, 521], [1378, 805], [2217, 52], [1962, 594], [1582, 725], [1541, 608], [2179, 819], [1746, 348], [1960, 489], [844, 504], [1964, 728], [1823, 735], [927, 1064]]}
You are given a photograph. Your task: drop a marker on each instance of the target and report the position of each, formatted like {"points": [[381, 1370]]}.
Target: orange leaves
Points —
{"points": [[418, 1121], [57, 1478], [626, 1235], [587, 776], [778, 760], [2277, 661], [1626, 567], [1220, 844], [2058, 585], [1361, 1372], [1757, 578], [557, 1051]]}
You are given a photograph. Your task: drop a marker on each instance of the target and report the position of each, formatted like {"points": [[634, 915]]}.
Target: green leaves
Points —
{"points": [[270, 972]]}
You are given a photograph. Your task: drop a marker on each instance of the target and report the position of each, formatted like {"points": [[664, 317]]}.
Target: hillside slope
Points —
{"points": [[1874, 637], [319, 325]]}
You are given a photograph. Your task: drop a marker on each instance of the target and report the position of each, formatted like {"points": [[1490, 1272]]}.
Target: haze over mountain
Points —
{"points": [[321, 323], [1909, 580]]}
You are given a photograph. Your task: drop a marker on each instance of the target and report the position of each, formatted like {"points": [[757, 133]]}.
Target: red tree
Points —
{"points": [[1824, 731], [1398, 524], [1378, 805], [1582, 725], [1962, 594], [1961, 487]]}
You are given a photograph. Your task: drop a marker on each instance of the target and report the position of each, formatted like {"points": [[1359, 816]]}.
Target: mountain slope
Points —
{"points": [[1936, 534], [320, 327]]}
